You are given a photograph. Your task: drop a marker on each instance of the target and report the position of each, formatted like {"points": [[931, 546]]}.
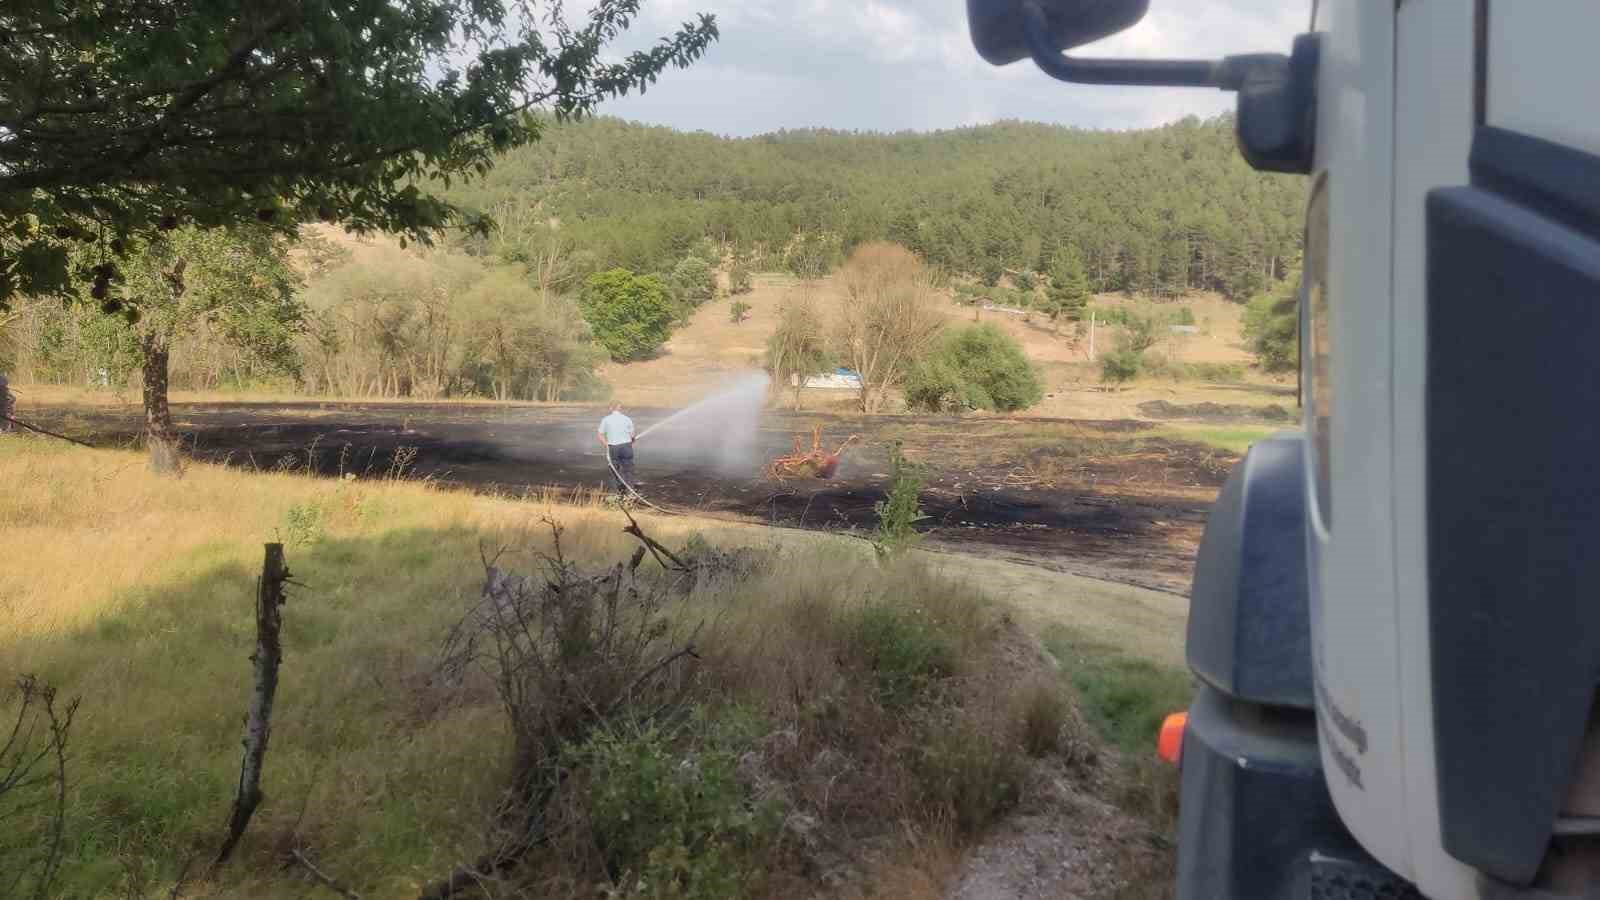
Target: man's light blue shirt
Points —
{"points": [[616, 429]]}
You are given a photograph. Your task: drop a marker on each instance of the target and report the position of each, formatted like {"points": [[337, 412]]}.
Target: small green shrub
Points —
{"points": [[903, 648], [812, 255], [738, 312], [900, 513], [1217, 373], [1120, 366], [303, 525], [1109, 315], [1272, 326], [974, 367], [672, 820], [740, 280], [693, 281], [1160, 365], [1025, 281], [1183, 315], [1140, 332], [970, 775]]}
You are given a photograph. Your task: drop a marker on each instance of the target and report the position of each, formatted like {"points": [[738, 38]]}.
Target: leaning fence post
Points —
{"points": [[258, 724]]}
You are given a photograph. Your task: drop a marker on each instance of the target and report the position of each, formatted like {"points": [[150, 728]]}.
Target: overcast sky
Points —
{"points": [[890, 65]]}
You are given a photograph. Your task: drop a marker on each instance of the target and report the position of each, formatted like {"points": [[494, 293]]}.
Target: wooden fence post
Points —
{"points": [[258, 725]]}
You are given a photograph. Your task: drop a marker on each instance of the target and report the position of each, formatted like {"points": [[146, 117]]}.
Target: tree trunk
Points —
{"points": [[159, 435]]}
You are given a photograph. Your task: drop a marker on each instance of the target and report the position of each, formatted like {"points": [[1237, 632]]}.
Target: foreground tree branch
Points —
{"points": [[324, 879], [124, 117]]}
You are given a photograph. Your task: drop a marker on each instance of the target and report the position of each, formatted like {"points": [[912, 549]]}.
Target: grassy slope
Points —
{"points": [[134, 592]]}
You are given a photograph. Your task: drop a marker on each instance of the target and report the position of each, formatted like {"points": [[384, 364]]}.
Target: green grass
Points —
{"points": [[1232, 438], [1124, 698]]}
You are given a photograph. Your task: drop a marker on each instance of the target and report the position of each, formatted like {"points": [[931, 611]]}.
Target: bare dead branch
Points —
{"points": [[322, 877], [657, 549], [38, 710]]}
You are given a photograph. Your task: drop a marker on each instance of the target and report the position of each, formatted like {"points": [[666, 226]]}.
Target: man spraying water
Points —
{"points": [[616, 435]]}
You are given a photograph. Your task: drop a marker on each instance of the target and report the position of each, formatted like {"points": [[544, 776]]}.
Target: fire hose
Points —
{"points": [[624, 482], [46, 432]]}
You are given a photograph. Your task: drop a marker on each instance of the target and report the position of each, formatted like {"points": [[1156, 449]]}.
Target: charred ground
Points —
{"points": [[1110, 499]]}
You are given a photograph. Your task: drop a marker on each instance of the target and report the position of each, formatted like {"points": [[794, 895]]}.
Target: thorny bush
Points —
{"points": [[567, 652]]}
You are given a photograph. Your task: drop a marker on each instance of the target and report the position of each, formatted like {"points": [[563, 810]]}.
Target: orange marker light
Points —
{"points": [[1169, 745]]}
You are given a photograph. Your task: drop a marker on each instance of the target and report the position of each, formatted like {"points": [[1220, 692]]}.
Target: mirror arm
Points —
{"points": [[1228, 74], [1276, 118]]}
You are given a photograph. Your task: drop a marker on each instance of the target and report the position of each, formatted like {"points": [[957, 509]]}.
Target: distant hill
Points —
{"points": [[1159, 211]]}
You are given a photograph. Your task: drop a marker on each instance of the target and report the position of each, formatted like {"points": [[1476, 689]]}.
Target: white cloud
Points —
{"points": [[889, 65]]}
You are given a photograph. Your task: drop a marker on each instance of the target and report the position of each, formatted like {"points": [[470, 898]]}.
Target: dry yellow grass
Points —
{"points": [[135, 593]]}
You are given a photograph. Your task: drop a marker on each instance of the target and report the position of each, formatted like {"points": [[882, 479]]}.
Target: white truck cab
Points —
{"points": [[1395, 620]]}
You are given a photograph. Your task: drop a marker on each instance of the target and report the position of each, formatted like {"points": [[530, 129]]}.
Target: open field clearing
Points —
{"points": [[134, 593], [1119, 500]]}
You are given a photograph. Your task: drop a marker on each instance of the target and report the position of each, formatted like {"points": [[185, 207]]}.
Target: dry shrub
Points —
{"points": [[1045, 718], [857, 668], [892, 317], [1147, 787], [572, 655], [969, 774]]}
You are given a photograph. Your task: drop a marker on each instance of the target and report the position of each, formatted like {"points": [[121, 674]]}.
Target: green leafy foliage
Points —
{"points": [[631, 314], [303, 524], [443, 324], [238, 281], [123, 117], [1272, 327], [670, 816], [1140, 331], [1121, 366], [739, 279], [1068, 293], [738, 311], [899, 514], [1124, 698], [693, 281], [811, 255], [974, 367], [904, 650]]}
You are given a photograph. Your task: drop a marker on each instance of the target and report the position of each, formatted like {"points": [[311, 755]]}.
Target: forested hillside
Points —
{"points": [[612, 234], [1158, 211]]}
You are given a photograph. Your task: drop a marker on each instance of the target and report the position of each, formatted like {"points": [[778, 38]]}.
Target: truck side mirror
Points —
{"points": [[1277, 93], [1000, 34]]}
